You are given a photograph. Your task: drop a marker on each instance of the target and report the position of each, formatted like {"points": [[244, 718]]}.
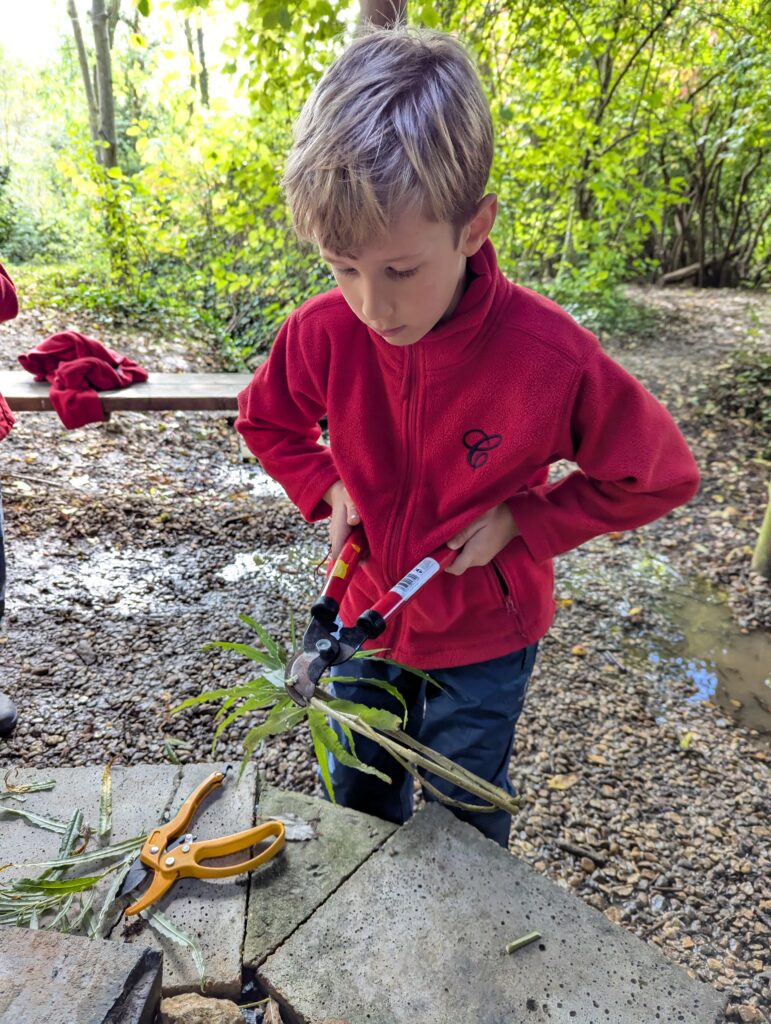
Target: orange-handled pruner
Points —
{"points": [[170, 852]]}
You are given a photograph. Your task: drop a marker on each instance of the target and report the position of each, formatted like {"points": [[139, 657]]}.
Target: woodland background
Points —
{"points": [[140, 169]]}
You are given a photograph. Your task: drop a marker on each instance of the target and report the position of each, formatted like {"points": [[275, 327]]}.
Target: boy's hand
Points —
{"points": [[344, 516], [483, 539]]}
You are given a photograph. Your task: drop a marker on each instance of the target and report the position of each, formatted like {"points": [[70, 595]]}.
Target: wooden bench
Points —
{"points": [[190, 392]]}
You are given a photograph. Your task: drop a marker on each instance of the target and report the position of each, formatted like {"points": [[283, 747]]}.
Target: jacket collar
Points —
{"points": [[456, 339]]}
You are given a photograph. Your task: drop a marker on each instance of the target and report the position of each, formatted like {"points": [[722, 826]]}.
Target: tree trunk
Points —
{"points": [[384, 13], [105, 99], [203, 77], [85, 71], [761, 560]]}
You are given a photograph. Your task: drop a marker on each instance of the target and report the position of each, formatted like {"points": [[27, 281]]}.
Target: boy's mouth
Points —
{"points": [[391, 331]]}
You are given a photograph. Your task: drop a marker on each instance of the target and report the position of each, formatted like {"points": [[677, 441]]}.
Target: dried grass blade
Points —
{"points": [[105, 804]]}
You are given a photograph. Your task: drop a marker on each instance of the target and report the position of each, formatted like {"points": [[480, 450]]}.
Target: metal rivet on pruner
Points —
{"points": [[169, 861]]}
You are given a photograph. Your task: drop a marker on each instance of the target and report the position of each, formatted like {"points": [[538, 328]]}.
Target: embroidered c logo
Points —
{"points": [[479, 444]]}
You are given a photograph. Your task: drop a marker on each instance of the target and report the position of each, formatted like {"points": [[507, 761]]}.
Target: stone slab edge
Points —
{"points": [[289, 889], [50, 978], [426, 921]]}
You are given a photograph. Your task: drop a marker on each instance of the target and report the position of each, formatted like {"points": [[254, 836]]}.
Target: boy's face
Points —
{"points": [[406, 284]]}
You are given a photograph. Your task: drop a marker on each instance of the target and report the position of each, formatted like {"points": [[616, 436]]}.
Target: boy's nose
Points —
{"points": [[377, 310]]}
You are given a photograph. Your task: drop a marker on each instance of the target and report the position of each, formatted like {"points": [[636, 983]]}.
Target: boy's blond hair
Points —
{"points": [[398, 121]]}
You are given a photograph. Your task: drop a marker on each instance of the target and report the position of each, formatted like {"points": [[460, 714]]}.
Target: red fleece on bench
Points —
{"points": [[77, 368]]}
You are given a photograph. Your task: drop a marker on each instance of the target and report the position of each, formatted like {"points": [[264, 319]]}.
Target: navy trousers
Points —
{"points": [[471, 719]]}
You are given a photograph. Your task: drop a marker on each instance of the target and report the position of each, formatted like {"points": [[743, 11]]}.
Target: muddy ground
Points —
{"points": [[642, 754]]}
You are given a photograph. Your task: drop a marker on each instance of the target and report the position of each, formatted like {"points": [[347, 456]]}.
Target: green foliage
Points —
{"points": [[629, 142]]}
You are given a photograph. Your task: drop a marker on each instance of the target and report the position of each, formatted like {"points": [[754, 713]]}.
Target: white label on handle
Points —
{"points": [[416, 577]]}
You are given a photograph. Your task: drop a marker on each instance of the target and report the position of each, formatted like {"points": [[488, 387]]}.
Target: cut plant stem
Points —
{"points": [[405, 749], [523, 940]]}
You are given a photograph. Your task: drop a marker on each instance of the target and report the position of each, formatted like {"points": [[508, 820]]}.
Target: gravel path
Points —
{"points": [[131, 544]]}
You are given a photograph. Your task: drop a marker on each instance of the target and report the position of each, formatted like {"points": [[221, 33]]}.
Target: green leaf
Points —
{"points": [[331, 741], [378, 718], [60, 922], [48, 886], [210, 695], [67, 844], [261, 657], [102, 924], [381, 684], [92, 856], [268, 642], [314, 717], [143, 6], [169, 930]]}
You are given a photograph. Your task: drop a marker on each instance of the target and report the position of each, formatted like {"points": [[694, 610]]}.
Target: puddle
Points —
{"points": [[692, 639], [732, 669], [248, 478]]}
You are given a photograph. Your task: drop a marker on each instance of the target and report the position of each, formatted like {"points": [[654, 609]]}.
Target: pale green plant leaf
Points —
{"points": [[246, 650], [331, 741], [102, 924], [320, 751], [51, 824], [381, 684], [378, 718], [268, 642], [171, 931]]}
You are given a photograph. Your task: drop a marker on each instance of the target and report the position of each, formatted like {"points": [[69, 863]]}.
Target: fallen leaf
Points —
{"points": [[565, 602], [596, 759], [563, 781], [579, 650], [633, 611], [686, 740]]}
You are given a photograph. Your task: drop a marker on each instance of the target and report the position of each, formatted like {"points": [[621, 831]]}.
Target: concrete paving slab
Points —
{"points": [[419, 932], [140, 795], [290, 888], [212, 910], [50, 978]]}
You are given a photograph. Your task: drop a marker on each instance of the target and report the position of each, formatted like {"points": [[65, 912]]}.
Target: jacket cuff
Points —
{"points": [[310, 500], [529, 513]]}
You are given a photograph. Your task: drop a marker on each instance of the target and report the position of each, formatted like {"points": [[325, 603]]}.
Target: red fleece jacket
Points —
{"points": [[77, 368], [428, 437], [9, 307]]}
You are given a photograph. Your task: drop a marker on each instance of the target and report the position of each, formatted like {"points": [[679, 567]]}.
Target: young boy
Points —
{"points": [[448, 392]]}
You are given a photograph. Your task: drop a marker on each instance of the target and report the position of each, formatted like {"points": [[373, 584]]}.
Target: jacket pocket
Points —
{"points": [[503, 589]]}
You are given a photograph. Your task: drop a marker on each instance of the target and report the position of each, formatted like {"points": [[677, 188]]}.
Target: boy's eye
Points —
{"points": [[349, 271]]}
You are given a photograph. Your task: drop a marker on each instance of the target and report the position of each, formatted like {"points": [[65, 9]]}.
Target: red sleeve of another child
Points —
{"points": [[9, 304]]}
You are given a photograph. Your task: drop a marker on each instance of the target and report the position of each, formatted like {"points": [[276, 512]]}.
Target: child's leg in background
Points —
{"points": [[472, 720], [354, 788]]}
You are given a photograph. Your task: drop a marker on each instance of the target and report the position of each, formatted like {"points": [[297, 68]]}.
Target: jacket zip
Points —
{"points": [[400, 510]]}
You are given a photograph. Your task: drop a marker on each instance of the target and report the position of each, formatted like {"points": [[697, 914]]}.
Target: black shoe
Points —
{"points": [[8, 715]]}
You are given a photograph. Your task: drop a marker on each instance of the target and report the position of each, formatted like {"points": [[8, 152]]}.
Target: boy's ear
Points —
{"points": [[476, 232]]}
